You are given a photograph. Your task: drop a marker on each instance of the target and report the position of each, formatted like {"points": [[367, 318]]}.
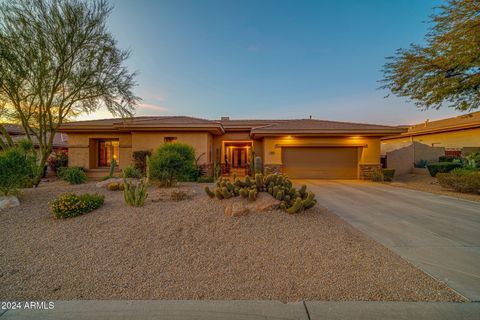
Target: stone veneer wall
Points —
{"points": [[366, 169], [273, 168]]}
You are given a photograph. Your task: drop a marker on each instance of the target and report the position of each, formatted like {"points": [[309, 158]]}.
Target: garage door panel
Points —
{"points": [[320, 163]]}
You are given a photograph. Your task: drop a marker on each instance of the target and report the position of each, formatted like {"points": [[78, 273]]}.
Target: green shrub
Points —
{"points": [[131, 172], [135, 193], [74, 175], [376, 175], [461, 180], [472, 161], [388, 174], [205, 179], [442, 167], [421, 163], [447, 158], [71, 205], [16, 170], [172, 162]]}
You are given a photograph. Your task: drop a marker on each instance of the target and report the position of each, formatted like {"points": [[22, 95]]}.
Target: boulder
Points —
{"points": [[265, 202], [7, 202], [236, 209]]}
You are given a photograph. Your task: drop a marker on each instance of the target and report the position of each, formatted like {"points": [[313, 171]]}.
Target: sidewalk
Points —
{"points": [[248, 310]]}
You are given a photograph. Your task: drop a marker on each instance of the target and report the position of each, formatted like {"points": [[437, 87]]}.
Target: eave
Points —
{"points": [[433, 131]]}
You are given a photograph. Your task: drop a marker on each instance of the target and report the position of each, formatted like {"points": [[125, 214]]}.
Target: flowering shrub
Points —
{"points": [[58, 160], [72, 205]]}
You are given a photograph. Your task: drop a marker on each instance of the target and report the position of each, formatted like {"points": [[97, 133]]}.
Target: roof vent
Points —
{"points": [[225, 118]]}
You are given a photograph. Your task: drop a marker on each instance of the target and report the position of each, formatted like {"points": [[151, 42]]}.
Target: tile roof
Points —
{"points": [[311, 125], [256, 126], [466, 121], [60, 140]]}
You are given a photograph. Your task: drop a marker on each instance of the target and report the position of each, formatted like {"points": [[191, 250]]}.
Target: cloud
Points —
{"points": [[153, 107]]}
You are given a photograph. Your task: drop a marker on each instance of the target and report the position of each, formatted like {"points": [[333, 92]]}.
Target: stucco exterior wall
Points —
{"points": [[453, 139], [152, 140], [81, 144], [366, 155]]}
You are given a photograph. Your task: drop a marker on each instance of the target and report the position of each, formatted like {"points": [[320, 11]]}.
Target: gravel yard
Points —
{"points": [[191, 250], [426, 183]]}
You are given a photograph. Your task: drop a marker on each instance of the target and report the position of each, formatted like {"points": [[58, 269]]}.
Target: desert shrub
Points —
{"points": [[131, 172], [16, 170], [114, 186], [448, 158], [205, 179], [172, 162], [140, 160], [178, 195], [421, 163], [58, 160], [71, 205], [461, 180], [74, 175], [388, 174], [376, 175], [442, 167], [135, 193], [472, 161]]}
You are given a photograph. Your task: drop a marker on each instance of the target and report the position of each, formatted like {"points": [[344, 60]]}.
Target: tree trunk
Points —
{"points": [[39, 168]]}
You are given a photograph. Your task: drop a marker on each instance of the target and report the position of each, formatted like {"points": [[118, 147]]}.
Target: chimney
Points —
{"points": [[225, 118]]}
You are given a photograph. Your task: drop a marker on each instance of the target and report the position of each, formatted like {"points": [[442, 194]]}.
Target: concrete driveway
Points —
{"points": [[439, 234]]}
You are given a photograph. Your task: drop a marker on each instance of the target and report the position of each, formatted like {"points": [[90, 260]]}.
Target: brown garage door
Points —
{"points": [[320, 163]]}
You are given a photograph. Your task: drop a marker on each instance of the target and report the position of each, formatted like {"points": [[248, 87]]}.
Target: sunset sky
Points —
{"points": [[269, 59]]}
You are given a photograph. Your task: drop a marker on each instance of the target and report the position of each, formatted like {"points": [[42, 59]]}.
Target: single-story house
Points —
{"points": [[303, 148], [427, 141], [16, 132]]}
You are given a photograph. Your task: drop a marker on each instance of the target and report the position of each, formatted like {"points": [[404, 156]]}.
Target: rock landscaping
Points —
{"points": [[189, 249]]}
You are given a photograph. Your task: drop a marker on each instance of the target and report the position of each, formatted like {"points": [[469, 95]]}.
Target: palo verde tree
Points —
{"points": [[58, 60], [446, 70]]}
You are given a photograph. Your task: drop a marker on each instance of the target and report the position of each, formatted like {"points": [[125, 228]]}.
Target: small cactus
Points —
{"points": [[225, 193], [112, 186], [248, 182], [210, 194], [302, 191], [135, 194], [258, 166], [309, 201], [218, 194], [279, 195], [252, 195], [297, 206], [244, 193]]}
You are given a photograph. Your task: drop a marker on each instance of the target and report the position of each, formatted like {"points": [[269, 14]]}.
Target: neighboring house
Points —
{"points": [[304, 148], [428, 141], [16, 132]]}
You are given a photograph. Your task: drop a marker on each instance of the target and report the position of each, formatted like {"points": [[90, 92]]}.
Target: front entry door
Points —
{"points": [[239, 158]]}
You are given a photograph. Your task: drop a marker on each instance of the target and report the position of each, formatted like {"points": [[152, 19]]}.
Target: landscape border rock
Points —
{"points": [[7, 202]]}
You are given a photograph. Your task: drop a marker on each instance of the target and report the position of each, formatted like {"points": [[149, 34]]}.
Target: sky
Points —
{"points": [[269, 59]]}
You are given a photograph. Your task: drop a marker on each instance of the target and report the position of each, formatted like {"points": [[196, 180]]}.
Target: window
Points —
{"points": [[169, 139], [107, 150]]}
